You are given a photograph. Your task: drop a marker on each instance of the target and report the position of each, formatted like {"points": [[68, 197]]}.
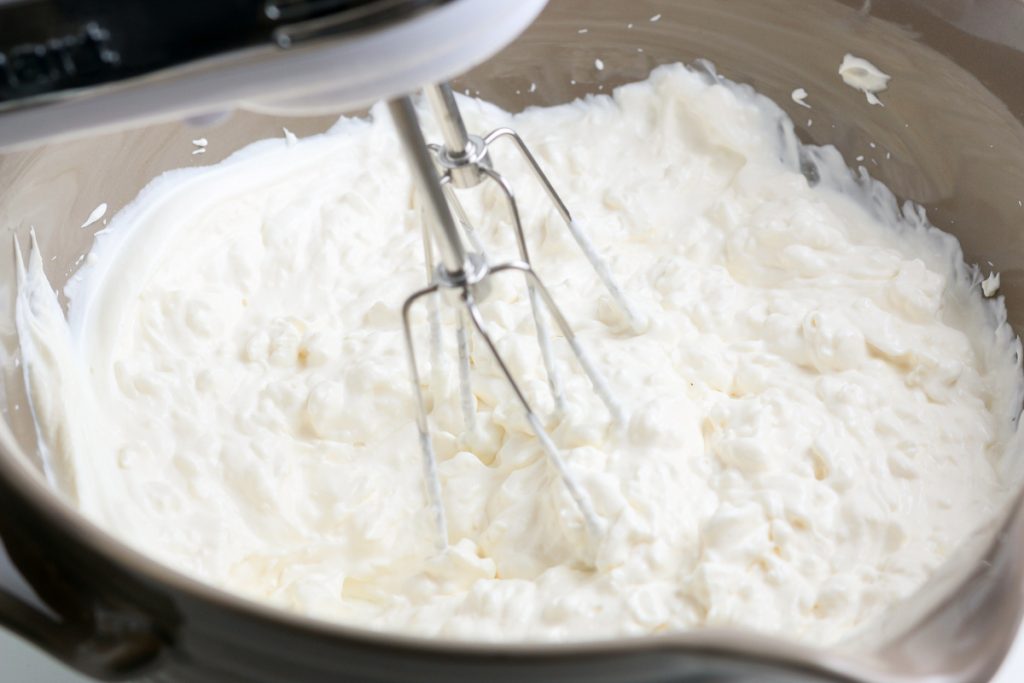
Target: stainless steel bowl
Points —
{"points": [[952, 122]]}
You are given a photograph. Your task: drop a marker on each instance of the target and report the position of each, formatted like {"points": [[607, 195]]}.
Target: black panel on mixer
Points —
{"points": [[50, 46]]}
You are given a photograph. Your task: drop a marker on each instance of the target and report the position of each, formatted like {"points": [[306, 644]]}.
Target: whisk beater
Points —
{"points": [[463, 162]]}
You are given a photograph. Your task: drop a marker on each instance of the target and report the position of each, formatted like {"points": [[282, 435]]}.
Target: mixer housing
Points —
{"points": [[68, 68]]}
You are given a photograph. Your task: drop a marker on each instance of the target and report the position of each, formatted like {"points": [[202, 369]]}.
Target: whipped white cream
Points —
{"points": [[800, 97], [990, 285], [95, 215], [861, 74], [819, 407]]}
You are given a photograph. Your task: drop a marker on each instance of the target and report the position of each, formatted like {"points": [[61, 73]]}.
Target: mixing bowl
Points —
{"points": [[951, 125]]}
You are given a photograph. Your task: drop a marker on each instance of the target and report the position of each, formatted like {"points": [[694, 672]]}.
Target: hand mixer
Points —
{"points": [[71, 68]]}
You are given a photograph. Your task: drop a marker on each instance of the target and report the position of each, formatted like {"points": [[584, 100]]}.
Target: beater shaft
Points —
{"points": [[446, 235], [453, 257], [453, 129]]}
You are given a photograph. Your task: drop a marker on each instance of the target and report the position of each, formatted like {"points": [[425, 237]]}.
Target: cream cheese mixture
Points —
{"points": [[819, 409]]}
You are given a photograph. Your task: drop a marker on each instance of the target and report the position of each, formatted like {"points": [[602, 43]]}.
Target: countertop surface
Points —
{"points": [[20, 663]]}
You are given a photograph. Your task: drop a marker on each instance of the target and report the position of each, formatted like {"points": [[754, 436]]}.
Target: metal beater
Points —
{"points": [[463, 162]]}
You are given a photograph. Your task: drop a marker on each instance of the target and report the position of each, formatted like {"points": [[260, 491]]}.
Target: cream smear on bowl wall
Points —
{"points": [[819, 411]]}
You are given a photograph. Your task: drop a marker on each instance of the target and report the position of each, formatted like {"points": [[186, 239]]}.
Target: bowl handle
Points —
{"points": [[97, 639]]}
